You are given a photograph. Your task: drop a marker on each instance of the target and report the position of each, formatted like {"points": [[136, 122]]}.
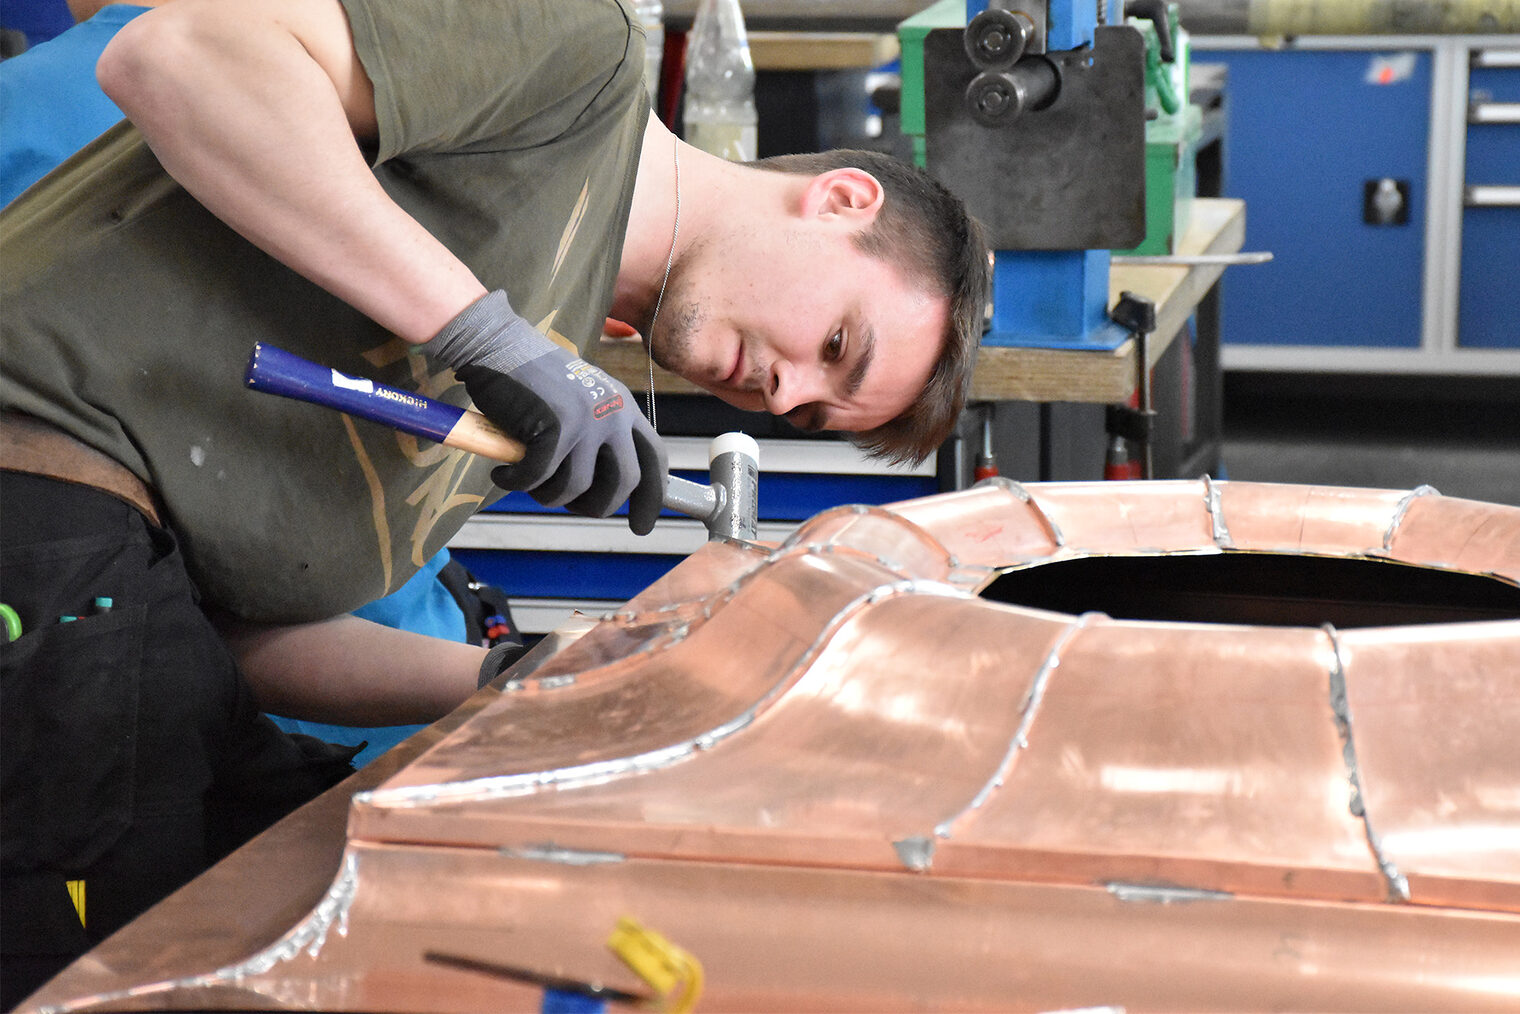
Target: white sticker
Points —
{"points": [[353, 383], [1390, 68]]}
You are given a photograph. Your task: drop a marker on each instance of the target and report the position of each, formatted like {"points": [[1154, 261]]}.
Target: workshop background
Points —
{"points": [[1369, 352], [1371, 149]]}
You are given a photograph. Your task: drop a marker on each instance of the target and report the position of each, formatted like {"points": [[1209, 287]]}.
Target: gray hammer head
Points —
{"points": [[730, 506]]}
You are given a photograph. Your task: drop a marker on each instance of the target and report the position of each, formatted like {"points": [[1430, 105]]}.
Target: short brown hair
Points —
{"points": [[924, 230]]}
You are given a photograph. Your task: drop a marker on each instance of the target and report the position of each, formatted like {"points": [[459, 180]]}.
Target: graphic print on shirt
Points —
{"points": [[445, 471]]}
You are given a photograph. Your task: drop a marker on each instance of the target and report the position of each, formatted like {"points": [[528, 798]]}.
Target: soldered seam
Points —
{"points": [[1212, 501], [1017, 489], [1340, 706], [1020, 738], [308, 935], [1401, 509]]}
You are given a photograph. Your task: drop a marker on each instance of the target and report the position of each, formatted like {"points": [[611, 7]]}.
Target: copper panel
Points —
{"points": [[1460, 535], [1309, 519], [776, 938], [1435, 712], [876, 742], [990, 525], [1139, 518], [772, 622], [891, 539], [848, 782], [702, 579], [1197, 756]]}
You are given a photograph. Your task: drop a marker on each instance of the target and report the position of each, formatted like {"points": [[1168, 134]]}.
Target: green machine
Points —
{"points": [[1172, 137], [1066, 127], [1172, 126]]}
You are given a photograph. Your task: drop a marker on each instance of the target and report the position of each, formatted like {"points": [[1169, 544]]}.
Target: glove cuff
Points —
{"points": [[498, 660], [488, 333]]}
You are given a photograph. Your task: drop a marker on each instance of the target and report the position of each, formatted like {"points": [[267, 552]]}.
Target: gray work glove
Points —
{"points": [[589, 447]]}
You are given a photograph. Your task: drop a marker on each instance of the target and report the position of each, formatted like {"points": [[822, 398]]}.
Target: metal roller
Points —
{"points": [[996, 97]]}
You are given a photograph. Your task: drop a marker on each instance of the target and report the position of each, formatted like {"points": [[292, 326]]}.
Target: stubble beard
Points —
{"points": [[673, 343]]}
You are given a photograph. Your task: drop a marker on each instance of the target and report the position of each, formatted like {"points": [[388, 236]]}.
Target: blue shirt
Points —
{"points": [[50, 103]]}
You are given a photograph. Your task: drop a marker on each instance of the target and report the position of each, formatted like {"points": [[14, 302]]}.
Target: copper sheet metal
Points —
{"points": [[847, 781], [820, 939]]}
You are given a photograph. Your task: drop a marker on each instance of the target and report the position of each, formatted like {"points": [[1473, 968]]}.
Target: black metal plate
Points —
{"points": [[1069, 177]]}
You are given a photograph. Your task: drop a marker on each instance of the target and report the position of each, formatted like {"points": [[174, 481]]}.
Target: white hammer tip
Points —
{"points": [[730, 443]]}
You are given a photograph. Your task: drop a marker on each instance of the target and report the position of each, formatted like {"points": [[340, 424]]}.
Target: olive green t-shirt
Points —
{"points": [[510, 129]]}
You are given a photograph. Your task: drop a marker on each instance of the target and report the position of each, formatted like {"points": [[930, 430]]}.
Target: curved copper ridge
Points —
{"points": [[847, 780]]}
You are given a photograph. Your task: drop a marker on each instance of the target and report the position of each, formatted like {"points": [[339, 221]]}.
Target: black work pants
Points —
{"points": [[132, 753]]}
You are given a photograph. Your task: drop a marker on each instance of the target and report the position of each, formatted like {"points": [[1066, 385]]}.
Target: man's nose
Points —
{"points": [[789, 386]]}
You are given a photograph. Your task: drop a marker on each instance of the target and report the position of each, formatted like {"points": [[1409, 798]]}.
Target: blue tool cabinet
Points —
{"points": [[1316, 126], [1489, 307]]}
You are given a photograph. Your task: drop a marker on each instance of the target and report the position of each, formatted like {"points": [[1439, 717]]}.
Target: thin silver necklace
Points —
{"points": [[649, 341]]}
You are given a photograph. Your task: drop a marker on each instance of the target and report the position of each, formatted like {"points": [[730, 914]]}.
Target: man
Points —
{"points": [[447, 198], [52, 106]]}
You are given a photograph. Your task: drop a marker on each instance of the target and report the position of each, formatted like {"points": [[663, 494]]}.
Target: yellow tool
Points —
{"points": [[673, 972], [76, 893]]}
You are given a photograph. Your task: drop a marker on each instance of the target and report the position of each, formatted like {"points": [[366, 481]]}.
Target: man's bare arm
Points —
{"points": [[254, 106], [349, 671]]}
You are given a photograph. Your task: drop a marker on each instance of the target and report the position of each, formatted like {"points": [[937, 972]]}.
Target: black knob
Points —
{"points": [[995, 98], [991, 99], [996, 39]]}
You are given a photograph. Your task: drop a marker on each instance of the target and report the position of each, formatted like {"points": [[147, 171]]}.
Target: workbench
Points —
{"points": [[1217, 226], [1030, 374]]}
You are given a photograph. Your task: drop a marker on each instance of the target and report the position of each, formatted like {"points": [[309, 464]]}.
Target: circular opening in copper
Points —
{"points": [[1262, 589]]}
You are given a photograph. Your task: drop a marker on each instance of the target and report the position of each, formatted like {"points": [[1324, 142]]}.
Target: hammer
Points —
{"points": [[729, 507]]}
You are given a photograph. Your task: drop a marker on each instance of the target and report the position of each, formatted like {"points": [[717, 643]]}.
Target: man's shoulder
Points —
{"points": [[495, 74]]}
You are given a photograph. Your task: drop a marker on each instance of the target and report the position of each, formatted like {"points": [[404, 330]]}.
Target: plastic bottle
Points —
{"points": [[720, 83], [651, 14]]}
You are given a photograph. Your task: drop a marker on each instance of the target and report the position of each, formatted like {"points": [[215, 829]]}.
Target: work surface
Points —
{"points": [[1116, 774], [1217, 226]]}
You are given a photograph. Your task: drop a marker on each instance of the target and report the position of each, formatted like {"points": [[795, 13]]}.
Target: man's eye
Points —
{"points": [[808, 418], [833, 349]]}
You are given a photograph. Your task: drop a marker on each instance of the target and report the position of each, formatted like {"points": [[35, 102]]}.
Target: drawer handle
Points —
{"points": [[1491, 196], [1493, 112], [1496, 58]]}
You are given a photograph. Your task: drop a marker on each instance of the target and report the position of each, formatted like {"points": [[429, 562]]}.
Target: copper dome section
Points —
{"points": [[847, 779]]}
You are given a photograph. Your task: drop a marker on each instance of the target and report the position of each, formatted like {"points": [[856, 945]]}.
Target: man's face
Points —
{"points": [[801, 324]]}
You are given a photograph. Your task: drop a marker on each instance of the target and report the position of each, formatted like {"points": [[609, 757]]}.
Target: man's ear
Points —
{"points": [[849, 193]]}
